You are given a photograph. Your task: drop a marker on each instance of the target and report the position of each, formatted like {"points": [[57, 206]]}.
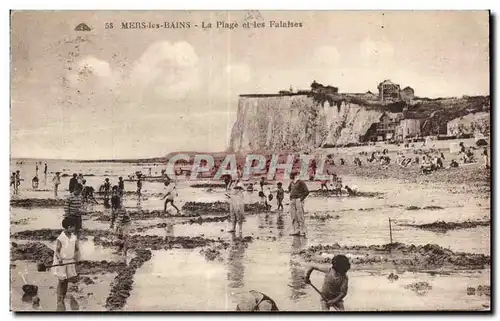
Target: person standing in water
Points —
{"points": [[262, 183], [121, 187], [170, 196], [236, 207], [56, 181], [280, 195], [139, 189], [74, 208], [17, 183], [106, 189], [67, 250], [123, 222], [13, 181], [298, 193]]}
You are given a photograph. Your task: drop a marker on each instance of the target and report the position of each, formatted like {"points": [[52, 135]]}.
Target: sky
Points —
{"points": [[127, 93]]}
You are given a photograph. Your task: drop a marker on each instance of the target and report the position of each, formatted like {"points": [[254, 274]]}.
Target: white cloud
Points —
{"points": [[90, 70], [164, 72], [167, 70], [326, 56], [238, 73], [230, 81], [375, 51]]}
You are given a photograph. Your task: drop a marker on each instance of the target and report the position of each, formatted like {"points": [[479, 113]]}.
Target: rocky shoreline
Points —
{"points": [[442, 226], [123, 282], [219, 207], [37, 202], [398, 255]]}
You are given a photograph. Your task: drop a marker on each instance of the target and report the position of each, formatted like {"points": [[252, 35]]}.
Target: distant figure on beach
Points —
{"points": [[73, 181], [121, 186], [324, 183], [88, 196], [342, 161], [372, 158], [149, 173], [351, 191], [139, 189], [280, 195], [56, 181], [329, 163], [462, 148], [298, 193], [18, 181], [106, 189], [486, 159], [36, 169], [170, 196], [45, 170], [262, 182], [13, 181], [338, 186], [439, 162], [34, 182]]}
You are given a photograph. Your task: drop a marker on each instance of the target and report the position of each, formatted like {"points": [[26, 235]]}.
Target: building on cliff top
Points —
{"points": [[389, 91], [407, 94], [320, 88]]}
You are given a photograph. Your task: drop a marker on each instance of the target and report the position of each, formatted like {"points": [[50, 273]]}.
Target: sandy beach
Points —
{"points": [[439, 225]]}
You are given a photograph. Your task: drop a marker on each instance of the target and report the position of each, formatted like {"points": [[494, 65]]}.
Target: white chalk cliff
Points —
{"points": [[297, 123]]}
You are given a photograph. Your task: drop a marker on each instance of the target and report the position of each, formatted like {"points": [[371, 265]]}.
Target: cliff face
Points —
{"points": [[297, 123]]}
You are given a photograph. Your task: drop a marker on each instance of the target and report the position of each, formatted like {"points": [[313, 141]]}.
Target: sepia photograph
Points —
{"points": [[250, 161]]}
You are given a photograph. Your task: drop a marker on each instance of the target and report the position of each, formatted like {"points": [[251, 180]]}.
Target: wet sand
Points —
{"points": [[189, 262]]}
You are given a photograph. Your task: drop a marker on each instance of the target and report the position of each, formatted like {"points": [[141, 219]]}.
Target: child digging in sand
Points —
{"points": [[67, 250], [335, 284]]}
